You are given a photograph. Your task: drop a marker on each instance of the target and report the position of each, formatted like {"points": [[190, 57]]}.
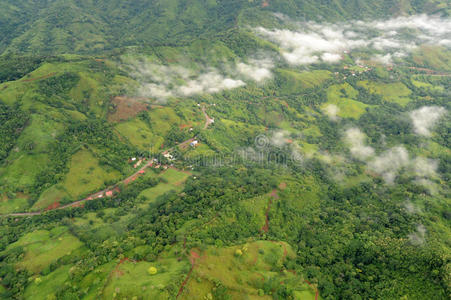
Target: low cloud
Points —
{"points": [[425, 118], [162, 82], [257, 70], [279, 138], [332, 111], [326, 42], [357, 144], [389, 163], [418, 237]]}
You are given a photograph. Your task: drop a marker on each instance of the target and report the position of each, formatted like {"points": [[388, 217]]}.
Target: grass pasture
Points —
{"points": [[131, 279], [395, 92], [250, 275], [85, 174], [294, 82], [139, 134], [22, 171], [343, 96], [54, 194], [46, 287], [42, 247], [175, 180], [13, 205]]}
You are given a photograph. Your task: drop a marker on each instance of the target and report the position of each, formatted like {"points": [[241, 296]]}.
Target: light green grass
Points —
{"points": [[53, 194], [175, 182], [42, 247], [23, 170], [131, 279], [242, 275], [86, 175], [395, 92], [13, 205], [46, 287], [174, 176], [138, 134], [343, 96], [293, 82]]}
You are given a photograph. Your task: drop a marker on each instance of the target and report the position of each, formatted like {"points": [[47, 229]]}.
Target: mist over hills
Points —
{"points": [[218, 150], [86, 26]]}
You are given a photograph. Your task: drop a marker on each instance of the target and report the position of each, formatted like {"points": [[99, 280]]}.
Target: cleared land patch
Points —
{"points": [[42, 247], [344, 97], [126, 108], [392, 92]]}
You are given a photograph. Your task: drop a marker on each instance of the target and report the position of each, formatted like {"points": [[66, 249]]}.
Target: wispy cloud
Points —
{"points": [[425, 118], [162, 82], [326, 42], [357, 144]]}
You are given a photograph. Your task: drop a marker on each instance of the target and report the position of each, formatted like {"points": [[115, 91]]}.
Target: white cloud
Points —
{"points": [[418, 237], [425, 118], [325, 42], [331, 57], [356, 140], [279, 138], [424, 167], [332, 111], [257, 70], [389, 163], [162, 82]]}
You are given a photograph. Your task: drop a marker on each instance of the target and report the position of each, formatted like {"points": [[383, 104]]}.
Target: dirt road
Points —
{"points": [[113, 188]]}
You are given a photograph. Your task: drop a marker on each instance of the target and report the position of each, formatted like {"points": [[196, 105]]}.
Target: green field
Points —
{"points": [[138, 134], [85, 175], [42, 247], [393, 92], [343, 96], [46, 287], [248, 275], [175, 180], [294, 82]]}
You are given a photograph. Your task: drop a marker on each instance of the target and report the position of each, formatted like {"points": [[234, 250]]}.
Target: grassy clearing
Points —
{"points": [[46, 287], [56, 193], [174, 180], [132, 279], [95, 281], [85, 174], [437, 58], [294, 82], [419, 82], [343, 96], [41, 131], [23, 170], [174, 176], [243, 274], [13, 205], [257, 208], [138, 134], [163, 119], [42, 247], [392, 92]]}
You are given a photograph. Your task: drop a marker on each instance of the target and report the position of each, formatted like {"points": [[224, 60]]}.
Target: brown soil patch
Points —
{"points": [[183, 126], [283, 185], [126, 108], [52, 206]]}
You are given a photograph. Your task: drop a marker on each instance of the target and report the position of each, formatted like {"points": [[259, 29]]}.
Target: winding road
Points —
{"points": [[113, 188]]}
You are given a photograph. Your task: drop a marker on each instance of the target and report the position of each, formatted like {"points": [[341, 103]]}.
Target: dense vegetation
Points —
{"points": [[67, 26], [274, 202]]}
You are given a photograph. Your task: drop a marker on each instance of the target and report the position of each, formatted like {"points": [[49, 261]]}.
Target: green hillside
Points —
{"points": [[211, 149], [69, 26]]}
